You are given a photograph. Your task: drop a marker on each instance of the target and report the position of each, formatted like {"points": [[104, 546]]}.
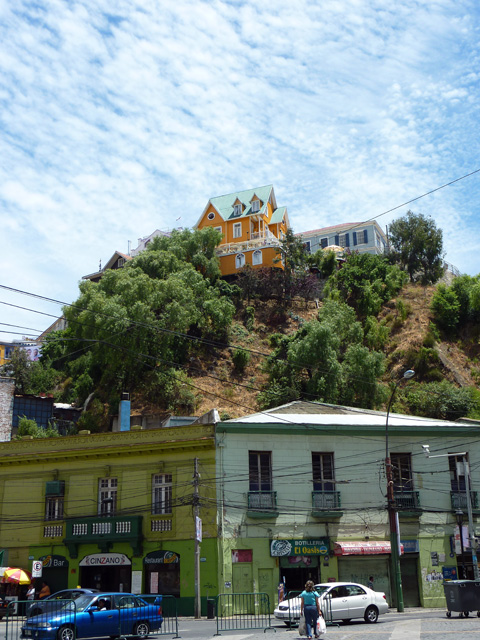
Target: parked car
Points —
{"points": [[50, 603], [339, 601], [94, 615]]}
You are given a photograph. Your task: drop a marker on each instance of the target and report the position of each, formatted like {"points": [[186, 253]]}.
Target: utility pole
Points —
{"points": [[198, 537]]}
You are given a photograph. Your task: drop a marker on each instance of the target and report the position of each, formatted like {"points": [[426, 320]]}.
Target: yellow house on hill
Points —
{"points": [[252, 227]]}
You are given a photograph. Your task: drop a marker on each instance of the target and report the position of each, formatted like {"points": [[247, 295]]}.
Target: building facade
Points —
{"points": [[112, 511], [309, 500], [252, 227], [364, 237]]}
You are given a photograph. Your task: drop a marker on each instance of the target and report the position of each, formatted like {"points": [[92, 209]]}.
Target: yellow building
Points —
{"points": [[252, 227], [113, 511]]}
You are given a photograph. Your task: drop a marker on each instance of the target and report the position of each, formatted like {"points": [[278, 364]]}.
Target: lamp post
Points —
{"points": [[392, 512], [459, 517], [471, 529]]}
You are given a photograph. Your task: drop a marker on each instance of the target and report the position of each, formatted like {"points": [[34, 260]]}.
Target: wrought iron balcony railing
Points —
{"points": [[407, 500], [326, 500], [262, 501], [459, 499]]}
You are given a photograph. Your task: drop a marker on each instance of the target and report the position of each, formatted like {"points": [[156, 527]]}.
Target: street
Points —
{"points": [[413, 624]]}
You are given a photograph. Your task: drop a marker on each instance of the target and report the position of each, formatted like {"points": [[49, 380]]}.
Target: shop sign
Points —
{"points": [[105, 560], [319, 547], [54, 562], [410, 546], [162, 557]]}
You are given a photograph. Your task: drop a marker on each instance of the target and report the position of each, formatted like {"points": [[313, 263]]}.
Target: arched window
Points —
{"points": [[239, 260], [257, 257]]}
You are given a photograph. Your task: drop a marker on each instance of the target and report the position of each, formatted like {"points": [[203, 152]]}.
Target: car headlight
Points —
{"points": [[44, 625]]}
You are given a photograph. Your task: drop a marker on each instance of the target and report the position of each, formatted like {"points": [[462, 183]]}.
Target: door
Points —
{"points": [[338, 603], [358, 601], [242, 585], [411, 595]]}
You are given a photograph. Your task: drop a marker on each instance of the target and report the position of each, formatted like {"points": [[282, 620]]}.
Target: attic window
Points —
{"points": [[237, 209], [211, 215], [255, 206]]}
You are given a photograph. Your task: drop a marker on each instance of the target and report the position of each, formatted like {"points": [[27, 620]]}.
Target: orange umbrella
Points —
{"points": [[17, 576]]}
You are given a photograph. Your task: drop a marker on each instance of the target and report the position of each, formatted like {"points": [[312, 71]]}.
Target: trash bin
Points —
{"points": [[462, 596], [210, 608]]}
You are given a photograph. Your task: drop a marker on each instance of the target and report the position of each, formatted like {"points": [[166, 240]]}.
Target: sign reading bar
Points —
{"points": [[319, 547]]}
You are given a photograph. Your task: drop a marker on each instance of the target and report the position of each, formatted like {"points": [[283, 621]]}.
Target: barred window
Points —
{"points": [[107, 496], [54, 508], [161, 493]]}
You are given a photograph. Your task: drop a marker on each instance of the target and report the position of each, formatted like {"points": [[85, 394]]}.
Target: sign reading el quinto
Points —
{"points": [[318, 547]]}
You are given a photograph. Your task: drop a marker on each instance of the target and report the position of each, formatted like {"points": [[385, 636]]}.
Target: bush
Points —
{"points": [[249, 318], [446, 308], [240, 359], [28, 427]]}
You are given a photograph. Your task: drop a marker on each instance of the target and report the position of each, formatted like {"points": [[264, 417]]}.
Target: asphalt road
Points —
{"points": [[413, 624]]}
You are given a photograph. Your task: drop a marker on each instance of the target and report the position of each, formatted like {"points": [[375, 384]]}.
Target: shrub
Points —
{"points": [[240, 359], [446, 308], [249, 318]]}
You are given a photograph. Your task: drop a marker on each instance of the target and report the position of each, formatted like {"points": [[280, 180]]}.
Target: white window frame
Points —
{"points": [[361, 237], [341, 240], [219, 229], [240, 258], [237, 230], [255, 206], [211, 215], [107, 496], [54, 508], [162, 487], [237, 209], [257, 254]]}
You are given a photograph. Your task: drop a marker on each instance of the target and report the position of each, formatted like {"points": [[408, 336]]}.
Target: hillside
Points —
{"points": [[235, 395]]}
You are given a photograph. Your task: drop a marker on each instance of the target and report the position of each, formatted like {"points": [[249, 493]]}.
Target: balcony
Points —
{"points": [[459, 500], [104, 532], [262, 504], [407, 502], [326, 504], [257, 241]]}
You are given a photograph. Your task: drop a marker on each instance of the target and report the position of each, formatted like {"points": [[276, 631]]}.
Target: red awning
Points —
{"points": [[362, 548]]}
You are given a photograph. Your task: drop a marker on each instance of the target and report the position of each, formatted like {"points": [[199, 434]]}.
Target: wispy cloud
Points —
{"points": [[117, 119]]}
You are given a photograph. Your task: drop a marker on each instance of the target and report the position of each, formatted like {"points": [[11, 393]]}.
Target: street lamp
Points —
{"points": [[392, 513], [459, 517], [471, 530]]}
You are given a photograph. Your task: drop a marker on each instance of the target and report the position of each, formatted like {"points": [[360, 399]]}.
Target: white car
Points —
{"points": [[339, 601]]}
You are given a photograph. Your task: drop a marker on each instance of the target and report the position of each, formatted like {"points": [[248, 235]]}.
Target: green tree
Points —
{"points": [[440, 400], [417, 245], [446, 308]]}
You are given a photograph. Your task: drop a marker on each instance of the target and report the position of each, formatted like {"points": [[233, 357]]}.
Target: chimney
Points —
{"points": [[124, 412]]}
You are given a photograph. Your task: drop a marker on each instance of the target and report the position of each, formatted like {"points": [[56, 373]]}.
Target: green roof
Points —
{"points": [[224, 204], [278, 214]]}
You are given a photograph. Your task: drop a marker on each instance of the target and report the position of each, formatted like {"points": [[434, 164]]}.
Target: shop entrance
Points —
{"points": [[296, 570], [106, 571], [54, 572], [162, 573]]}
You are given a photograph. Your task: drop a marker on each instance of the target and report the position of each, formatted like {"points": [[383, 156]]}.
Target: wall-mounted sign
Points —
{"points": [[54, 562], [410, 546], [105, 560], [242, 555], [319, 547], [162, 557]]}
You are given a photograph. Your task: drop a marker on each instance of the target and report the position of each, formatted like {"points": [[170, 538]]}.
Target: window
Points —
{"points": [[121, 262], [307, 246], [107, 496], [219, 229], [324, 242], [161, 494], [237, 209], [239, 260], [402, 472], [255, 206], [457, 473], [237, 230], [257, 257], [323, 472], [360, 237], [54, 508], [211, 215], [260, 470], [344, 240]]}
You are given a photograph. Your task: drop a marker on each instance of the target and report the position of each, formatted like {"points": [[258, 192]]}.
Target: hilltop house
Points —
{"points": [[364, 237], [252, 226]]}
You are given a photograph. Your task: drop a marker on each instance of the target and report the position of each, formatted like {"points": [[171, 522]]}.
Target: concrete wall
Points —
{"points": [[7, 387]]}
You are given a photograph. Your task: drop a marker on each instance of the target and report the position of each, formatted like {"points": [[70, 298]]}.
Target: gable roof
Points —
{"points": [[224, 204]]}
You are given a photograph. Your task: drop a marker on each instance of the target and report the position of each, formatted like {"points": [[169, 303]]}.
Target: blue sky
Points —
{"points": [[118, 118]]}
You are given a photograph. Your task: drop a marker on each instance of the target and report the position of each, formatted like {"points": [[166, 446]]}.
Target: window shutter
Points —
{"points": [[55, 488], [347, 239], [324, 242], [337, 240], [354, 238], [366, 236]]}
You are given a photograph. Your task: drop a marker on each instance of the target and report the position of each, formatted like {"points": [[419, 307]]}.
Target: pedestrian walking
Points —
{"points": [[310, 608]]}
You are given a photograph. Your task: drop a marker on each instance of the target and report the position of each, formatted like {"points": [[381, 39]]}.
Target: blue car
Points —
{"points": [[95, 615]]}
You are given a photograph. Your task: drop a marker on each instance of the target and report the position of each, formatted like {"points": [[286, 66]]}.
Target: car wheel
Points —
{"points": [[66, 633], [466, 613], [449, 614], [347, 620], [141, 629], [371, 614]]}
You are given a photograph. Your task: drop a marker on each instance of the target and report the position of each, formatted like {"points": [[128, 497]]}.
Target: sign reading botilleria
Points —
{"points": [[319, 547]]}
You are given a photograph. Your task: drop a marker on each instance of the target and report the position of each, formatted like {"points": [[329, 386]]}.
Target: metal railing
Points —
{"points": [[405, 500], [121, 615], [262, 500], [293, 609], [459, 499], [238, 611], [325, 500]]}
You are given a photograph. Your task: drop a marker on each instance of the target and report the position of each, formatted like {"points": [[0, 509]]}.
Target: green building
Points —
{"points": [[112, 511], [302, 493]]}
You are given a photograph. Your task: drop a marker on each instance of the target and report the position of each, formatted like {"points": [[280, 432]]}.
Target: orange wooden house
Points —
{"points": [[252, 227]]}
